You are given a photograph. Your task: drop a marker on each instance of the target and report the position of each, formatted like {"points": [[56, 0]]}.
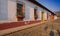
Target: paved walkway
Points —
{"points": [[45, 29]]}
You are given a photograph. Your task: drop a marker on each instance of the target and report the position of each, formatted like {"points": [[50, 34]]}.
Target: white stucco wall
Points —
{"points": [[8, 10], [49, 15], [55, 17], [29, 10], [32, 13], [12, 9], [27, 13], [3, 10], [45, 15], [39, 13]]}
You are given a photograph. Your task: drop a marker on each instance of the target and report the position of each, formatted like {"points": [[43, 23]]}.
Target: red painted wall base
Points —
{"points": [[17, 24]]}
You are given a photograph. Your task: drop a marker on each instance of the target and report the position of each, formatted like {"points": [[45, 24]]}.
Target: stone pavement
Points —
{"points": [[45, 29]]}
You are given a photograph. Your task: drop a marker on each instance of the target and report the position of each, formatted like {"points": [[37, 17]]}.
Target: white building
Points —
{"points": [[22, 10]]}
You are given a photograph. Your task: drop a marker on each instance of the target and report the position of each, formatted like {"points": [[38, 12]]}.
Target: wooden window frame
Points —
{"points": [[35, 14], [20, 14]]}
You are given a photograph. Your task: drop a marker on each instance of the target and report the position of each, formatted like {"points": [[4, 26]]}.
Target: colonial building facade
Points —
{"points": [[24, 10]]}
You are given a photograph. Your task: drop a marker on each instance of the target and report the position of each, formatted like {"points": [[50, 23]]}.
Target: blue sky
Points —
{"points": [[53, 5]]}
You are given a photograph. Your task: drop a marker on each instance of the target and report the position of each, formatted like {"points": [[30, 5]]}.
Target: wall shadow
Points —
{"points": [[58, 32], [46, 28], [51, 33]]}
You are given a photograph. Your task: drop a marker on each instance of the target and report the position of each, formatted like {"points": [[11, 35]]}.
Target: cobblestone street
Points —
{"points": [[45, 29]]}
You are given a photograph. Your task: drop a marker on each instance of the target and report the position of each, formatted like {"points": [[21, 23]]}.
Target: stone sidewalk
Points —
{"points": [[43, 29]]}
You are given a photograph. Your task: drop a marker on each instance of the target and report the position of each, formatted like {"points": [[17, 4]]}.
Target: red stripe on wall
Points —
{"points": [[16, 24]]}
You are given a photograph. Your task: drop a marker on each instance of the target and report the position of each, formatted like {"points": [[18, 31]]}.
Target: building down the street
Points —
{"points": [[24, 10]]}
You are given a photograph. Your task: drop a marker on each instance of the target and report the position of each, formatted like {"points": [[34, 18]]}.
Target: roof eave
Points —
{"points": [[40, 5]]}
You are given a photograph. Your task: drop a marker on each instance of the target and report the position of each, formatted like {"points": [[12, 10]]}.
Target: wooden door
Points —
{"points": [[42, 16]]}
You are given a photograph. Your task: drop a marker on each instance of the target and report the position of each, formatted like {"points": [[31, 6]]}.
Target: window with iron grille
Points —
{"points": [[20, 12]]}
